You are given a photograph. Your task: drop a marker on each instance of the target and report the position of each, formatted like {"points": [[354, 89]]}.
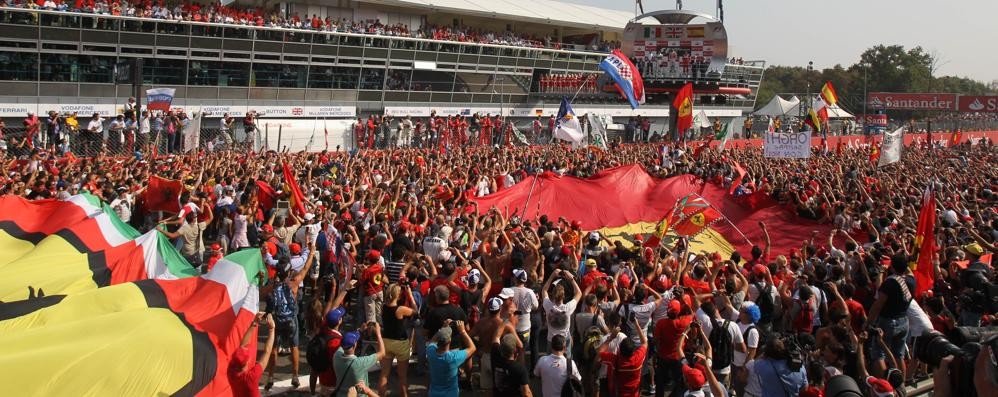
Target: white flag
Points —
{"points": [[890, 147], [568, 127], [729, 131], [192, 133]]}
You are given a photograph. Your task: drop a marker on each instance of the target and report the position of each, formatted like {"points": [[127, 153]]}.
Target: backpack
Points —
{"points": [[804, 321], [572, 387], [317, 353], [720, 342], [284, 304], [763, 337], [766, 303], [283, 251]]}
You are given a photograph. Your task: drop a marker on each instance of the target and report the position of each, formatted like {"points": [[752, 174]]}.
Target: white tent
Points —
{"points": [[778, 107], [834, 112]]}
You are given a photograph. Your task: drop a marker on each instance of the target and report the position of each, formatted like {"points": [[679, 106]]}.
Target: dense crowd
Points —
{"points": [[569, 83], [261, 17], [392, 260]]}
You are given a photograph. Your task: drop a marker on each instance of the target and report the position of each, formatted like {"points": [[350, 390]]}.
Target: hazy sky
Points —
{"points": [[792, 32]]}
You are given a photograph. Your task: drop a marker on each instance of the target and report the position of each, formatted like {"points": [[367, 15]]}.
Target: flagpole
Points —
{"points": [[580, 87], [727, 220], [530, 192]]}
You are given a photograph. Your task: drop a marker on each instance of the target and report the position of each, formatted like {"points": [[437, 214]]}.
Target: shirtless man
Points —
{"points": [[488, 331]]}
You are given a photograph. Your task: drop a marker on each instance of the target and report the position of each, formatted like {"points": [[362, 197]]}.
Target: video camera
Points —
{"points": [[932, 348]]}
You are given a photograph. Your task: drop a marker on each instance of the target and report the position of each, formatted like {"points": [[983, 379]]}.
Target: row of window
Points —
{"points": [[148, 26], [22, 66]]}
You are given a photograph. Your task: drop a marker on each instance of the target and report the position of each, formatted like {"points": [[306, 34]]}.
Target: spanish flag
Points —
{"points": [[661, 229], [828, 94], [682, 107], [954, 139], [813, 120]]}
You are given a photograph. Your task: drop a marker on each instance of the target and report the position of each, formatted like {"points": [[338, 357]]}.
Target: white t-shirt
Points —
{"points": [[612, 347], [551, 309], [751, 340], [553, 371], [733, 330], [526, 301], [642, 313]]}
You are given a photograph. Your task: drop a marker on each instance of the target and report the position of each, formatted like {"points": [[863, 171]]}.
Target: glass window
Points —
{"points": [[372, 79], [164, 71], [333, 77], [237, 33], [96, 69], [20, 66], [225, 74], [18, 17], [60, 20], [278, 75], [60, 67]]}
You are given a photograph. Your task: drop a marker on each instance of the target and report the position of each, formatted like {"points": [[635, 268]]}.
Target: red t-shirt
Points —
{"points": [[700, 287], [328, 377], [372, 277], [246, 383], [667, 332], [624, 375], [856, 313]]}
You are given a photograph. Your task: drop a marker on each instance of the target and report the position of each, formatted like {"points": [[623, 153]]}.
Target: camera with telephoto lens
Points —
{"points": [[795, 352], [931, 348]]}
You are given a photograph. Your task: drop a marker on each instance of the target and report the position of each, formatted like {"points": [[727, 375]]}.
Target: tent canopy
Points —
{"points": [[834, 112], [778, 107]]}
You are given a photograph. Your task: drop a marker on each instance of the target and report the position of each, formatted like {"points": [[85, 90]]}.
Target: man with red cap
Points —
{"points": [[667, 332], [372, 277], [244, 372]]}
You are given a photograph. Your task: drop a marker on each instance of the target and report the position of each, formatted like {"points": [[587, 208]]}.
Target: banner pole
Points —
{"points": [[580, 87], [728, 220], [530, 192]]}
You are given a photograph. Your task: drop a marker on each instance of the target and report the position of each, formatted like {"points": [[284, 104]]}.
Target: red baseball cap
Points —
{"points": [[267, 228], [295, 248], [759, 270], [694, 377], [674, 307], [374, 255]]}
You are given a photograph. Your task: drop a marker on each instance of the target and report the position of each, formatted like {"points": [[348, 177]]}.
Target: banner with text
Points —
{"points": [[913, 101], [890, 147], [159, 98], [796, 145], [978, 103]]}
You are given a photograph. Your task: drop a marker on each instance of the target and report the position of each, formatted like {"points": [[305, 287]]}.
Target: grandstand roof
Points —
{"points": [[534, 11]]}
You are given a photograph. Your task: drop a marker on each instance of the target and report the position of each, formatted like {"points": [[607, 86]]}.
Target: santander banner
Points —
{"points": [[875, 120], [919, 101], [972, 103]]}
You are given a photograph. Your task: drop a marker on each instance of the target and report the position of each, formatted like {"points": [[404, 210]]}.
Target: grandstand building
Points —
{"points": [[401, 57]]}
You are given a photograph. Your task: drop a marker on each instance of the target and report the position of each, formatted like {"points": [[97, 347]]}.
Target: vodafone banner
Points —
{"points": [[978, 103], [918, 101]]}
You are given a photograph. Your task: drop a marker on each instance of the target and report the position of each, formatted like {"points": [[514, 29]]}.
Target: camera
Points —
{"points": [[933, 347]]}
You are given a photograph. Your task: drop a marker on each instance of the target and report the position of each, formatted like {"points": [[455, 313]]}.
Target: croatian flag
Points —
{"points": [[159, 98], [626, 75]]}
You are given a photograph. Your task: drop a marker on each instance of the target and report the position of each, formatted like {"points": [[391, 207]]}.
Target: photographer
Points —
{"points": [[985, 370], [350, 369], [771, 375]]}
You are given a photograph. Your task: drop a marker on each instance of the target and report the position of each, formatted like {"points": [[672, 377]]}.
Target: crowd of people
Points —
{"points": [[569, 83], [392, 259], [261, 17], [673, 63]]}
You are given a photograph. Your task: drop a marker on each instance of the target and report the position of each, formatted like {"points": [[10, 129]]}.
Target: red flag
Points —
{"points": [[874, 153], [693, 216], [297, 198], [925, 242], [661, 229], [955, 138], [265, 195], [684, 108], [738, 179], [163, 194]]}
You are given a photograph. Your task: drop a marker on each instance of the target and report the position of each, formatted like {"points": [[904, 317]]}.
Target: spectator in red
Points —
{"points": [[372, 276], [244, 372], [624, 367]]}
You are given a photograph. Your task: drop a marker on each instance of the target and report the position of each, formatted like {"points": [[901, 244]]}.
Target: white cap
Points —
{"points": [[520, 274], [495, 304], [506, 293], [309, 216]]}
